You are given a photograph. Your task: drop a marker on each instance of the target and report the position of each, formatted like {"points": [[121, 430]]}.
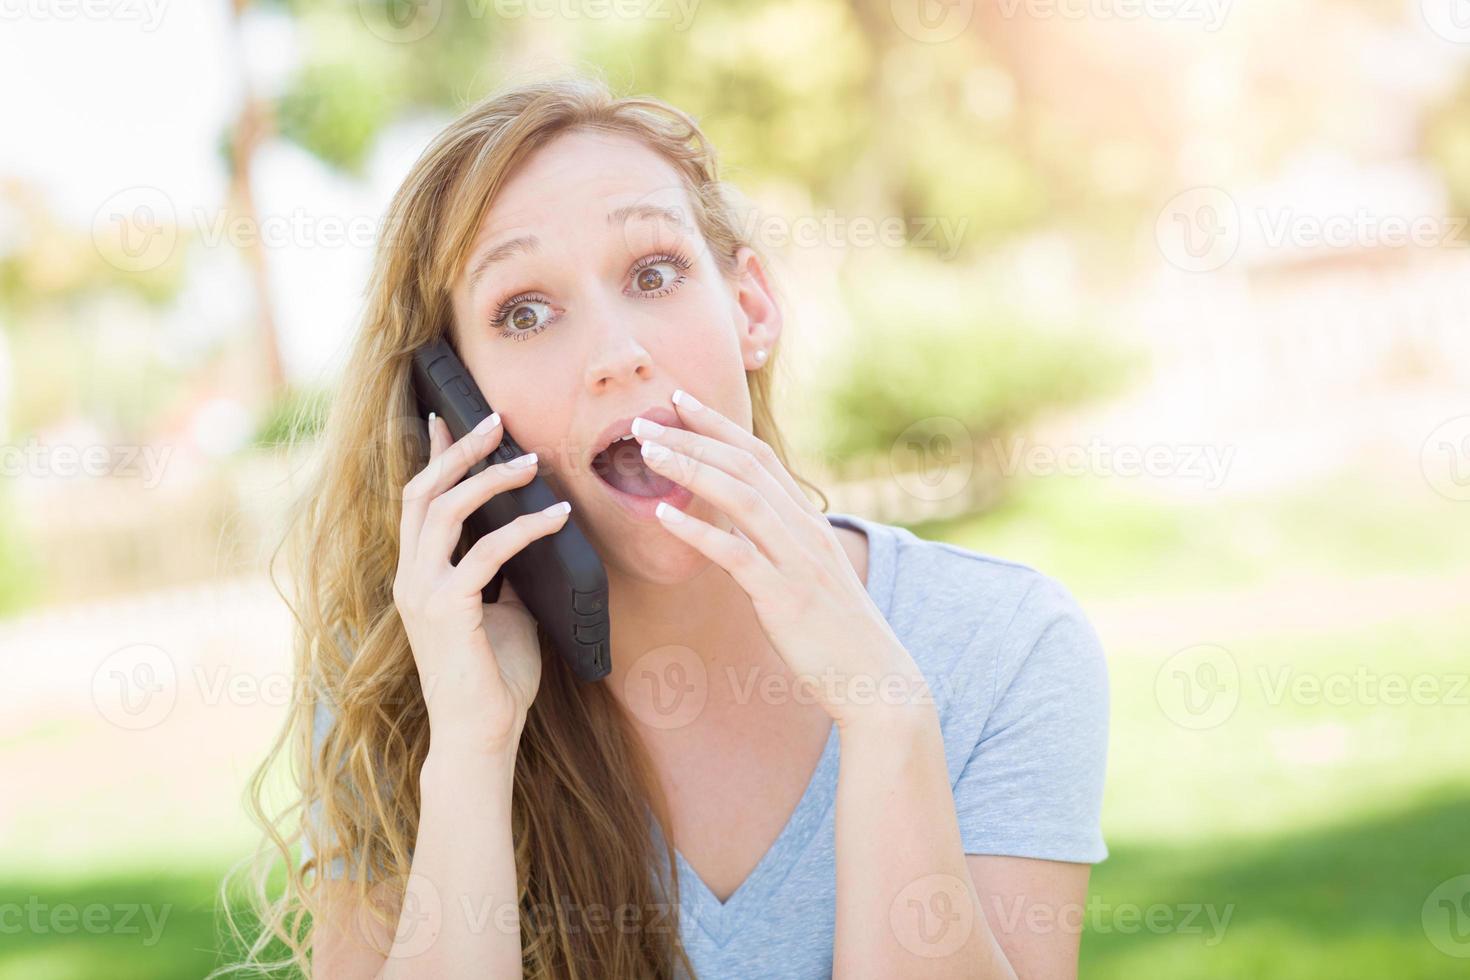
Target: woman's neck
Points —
{"points": [[683, 653], [694, 653]]}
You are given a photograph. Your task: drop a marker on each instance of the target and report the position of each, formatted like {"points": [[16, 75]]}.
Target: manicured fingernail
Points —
{"points": [[671, 514], [432, 417], [487, 424], [646, 428], [528, 459], [557, 509], [655, 453], [686, 401]]}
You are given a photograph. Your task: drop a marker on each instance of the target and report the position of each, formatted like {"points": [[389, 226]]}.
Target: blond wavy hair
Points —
{"points": [[581, 806]]}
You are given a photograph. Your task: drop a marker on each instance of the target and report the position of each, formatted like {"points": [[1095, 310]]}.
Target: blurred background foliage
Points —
{"points": [[928, 346], [873, 125]]}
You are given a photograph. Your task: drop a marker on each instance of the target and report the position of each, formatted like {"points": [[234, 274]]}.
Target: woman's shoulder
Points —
{"points": [[977, 624], [1019, 680]]}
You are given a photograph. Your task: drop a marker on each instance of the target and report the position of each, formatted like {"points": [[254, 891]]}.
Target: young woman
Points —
{"points": [[827, 747]]}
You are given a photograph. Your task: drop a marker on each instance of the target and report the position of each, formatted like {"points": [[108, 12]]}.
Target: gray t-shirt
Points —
{"points": [[1020, 684]]}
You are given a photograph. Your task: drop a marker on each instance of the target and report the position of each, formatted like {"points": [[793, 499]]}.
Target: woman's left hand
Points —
{"points": [[810, 602]]}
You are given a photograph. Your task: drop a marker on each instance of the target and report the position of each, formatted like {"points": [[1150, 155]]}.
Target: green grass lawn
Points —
{"points": [[1343, 898], [154, 926], [1104, 540], [1298, 838], [1322, 828]]}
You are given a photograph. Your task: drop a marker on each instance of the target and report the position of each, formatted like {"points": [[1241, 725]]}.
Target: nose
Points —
{"points": [[618, 356]]}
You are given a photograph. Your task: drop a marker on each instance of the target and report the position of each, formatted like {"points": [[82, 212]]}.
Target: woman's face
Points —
{"points": [[601, 298]]}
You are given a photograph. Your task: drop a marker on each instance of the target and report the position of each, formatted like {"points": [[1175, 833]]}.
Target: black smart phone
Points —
{"points": [[559, 576]]}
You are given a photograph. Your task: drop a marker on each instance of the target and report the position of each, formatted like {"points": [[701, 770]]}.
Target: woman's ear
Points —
{"points": [[758, 318]]}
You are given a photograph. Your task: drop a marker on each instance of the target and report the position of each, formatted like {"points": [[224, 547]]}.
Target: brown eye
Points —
{"points": [[658, 277], [524, 318], [520, 317], [650, 278]]}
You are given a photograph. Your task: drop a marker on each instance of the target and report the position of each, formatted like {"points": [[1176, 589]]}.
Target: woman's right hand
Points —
{"points": [[479, 665]]}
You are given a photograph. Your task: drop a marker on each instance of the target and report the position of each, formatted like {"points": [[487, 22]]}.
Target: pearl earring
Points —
{"points": [[760, 355]]}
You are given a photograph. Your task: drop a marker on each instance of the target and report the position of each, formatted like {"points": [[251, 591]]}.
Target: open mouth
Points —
{"points": [[621, 466]]}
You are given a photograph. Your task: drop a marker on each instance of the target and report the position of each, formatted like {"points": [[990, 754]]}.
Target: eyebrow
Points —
{"points": [[526, 244]]}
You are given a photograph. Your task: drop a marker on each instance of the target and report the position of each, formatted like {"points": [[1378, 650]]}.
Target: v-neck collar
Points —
{"points": [[697, 902]]}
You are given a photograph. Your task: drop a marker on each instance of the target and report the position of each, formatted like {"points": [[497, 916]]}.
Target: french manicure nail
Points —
{"points": [[685, 400], [487, 424], [558, 508], [646, 428], [527, 459], [671, 514], [655, 452]]}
